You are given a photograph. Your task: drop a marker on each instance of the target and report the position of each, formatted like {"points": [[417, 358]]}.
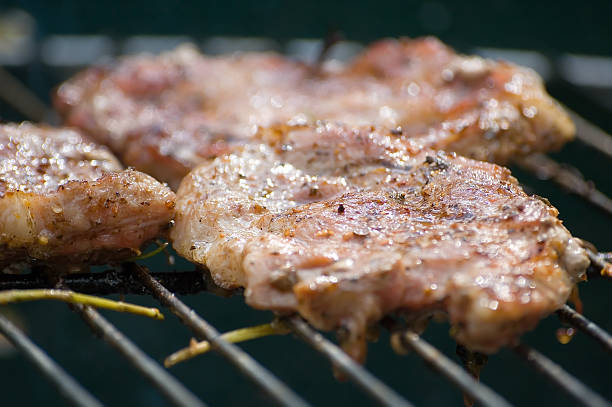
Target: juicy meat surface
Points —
{"points": [[165, 114], [66, 202], [346, 225]]}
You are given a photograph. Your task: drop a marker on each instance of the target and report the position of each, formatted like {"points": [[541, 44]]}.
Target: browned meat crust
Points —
{"points": [[66, 201], [165, 114], [346, 225]]}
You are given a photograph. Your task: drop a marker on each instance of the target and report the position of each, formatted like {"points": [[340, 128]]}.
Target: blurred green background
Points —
{"points": [[553, 28]]}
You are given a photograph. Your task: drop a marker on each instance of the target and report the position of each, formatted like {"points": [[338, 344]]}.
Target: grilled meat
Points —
{"points": [[66, 201], [345, 225], [165, 114]]}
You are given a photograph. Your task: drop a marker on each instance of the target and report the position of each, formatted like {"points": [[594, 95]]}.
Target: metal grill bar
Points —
{"points": [[548, 169], [179, 282], [204, 331], [67, 386], [568, 383], [370, 383], [169, 386], [569, 315], [601, 263], [111, 282], [20, 97], [590, 134], [452, 371]]}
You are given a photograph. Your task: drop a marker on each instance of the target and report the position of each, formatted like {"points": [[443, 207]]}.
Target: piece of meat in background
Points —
{"points": [[165, 114]]}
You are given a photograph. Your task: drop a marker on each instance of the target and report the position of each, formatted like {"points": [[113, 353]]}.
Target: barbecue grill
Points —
{"points": [[281, 369]]}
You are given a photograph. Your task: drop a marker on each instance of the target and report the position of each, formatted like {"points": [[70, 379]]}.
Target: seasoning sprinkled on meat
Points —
{"points": [[66, 202], [391, 227]]}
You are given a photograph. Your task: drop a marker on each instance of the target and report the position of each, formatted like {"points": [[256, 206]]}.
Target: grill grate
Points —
{"points": [[565, 381], [567, 177], [169, 386], [178, 395], [134, 279], [368, 382], [204, 331], [451, 370], [66, 385], [570, 316]]}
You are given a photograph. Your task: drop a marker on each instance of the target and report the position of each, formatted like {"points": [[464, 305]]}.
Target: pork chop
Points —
{"points": [[345, 225], [165, 114], [66, 201]]}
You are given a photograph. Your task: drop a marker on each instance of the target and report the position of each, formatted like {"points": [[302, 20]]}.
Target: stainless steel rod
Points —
{"points": [[452, 371], [174, 391], [68, 387], [546, 168], [555, 373], [354, 371], [569, 315], [204, 331], [591, 135]]}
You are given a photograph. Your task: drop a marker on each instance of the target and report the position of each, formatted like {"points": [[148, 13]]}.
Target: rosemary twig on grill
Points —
{"points": [[149, 254], [76, 298], [239, 335]]}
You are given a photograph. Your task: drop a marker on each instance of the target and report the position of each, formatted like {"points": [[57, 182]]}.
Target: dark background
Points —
{"points": [[553, 28]]}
